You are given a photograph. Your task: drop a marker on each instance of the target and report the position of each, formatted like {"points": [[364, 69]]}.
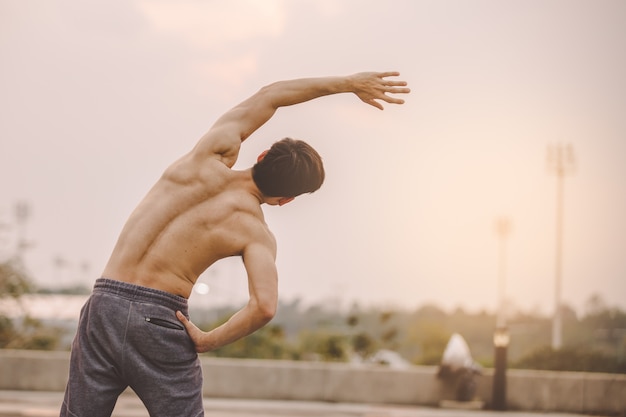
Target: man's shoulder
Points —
{"points": [[189, 169], [197, 161], [249, 216]]}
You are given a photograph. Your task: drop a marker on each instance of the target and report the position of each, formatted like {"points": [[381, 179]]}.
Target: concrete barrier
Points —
{"points": [[315, 381], [32, 370], [572, 392]]}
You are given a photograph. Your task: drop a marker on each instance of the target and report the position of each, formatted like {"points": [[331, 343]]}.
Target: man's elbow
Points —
{"points": [[269, 94], [266, 311]]}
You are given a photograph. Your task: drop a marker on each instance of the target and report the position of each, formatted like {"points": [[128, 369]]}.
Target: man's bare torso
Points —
{"points": [[196, 214]]}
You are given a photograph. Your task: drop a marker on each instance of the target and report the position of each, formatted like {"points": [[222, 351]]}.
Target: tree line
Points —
{"points": [[592, 342]]}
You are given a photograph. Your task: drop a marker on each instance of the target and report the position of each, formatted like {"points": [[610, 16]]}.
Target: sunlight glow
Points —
{"points": [[215, 24], [201, 288]]}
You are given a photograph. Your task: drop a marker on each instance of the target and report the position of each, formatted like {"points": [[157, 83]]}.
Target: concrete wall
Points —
{"points": [[311, 381]]}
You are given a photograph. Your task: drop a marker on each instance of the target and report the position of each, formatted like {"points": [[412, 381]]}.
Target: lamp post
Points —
{"points": [[501, 335], [501, 343]]}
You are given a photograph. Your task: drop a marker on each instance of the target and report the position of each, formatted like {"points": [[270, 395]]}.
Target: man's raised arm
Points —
{"points": [[225, 136]]}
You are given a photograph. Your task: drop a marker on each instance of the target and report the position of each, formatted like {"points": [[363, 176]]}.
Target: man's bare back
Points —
{"points": [[192, 217]]}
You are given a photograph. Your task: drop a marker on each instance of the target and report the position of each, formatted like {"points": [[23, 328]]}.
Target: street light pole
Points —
{"points": [[560, 162], [501, 334], [501, 341]]}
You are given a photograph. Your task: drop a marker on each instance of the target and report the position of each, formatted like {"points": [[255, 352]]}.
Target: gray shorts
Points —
{"points": [[129, 336]]}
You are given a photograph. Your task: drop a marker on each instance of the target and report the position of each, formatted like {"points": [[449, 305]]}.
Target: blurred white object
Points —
{"points": [[457, 354], [459, 369], [382, 357], [390, 358]]}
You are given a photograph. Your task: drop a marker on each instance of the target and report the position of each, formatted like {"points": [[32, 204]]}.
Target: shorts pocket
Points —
{"points": [[165, 323], [158, 336]]}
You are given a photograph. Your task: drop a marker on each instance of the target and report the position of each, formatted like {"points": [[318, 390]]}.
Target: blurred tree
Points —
{"points": [[385, 316], [14, 281], [388, 338], [333, 348], [266, 343], [363, 344], [26, 333], [13, 284], [323, 345], [598, 337], [570, 359], [7, 331], [595, 305], [434, 340]]}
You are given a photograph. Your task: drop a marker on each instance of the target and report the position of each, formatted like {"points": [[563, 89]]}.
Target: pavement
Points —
{"points": [[46, 404]]}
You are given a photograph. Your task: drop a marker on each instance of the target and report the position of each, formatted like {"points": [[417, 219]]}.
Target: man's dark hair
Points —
{"points": [[291, 167]]}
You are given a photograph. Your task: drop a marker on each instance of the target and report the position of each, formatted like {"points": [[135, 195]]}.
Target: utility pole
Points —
{"points": [[561, 163]]}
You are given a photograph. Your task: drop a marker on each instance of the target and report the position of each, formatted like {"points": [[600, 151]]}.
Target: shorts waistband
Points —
{"points": [[138, 293]]}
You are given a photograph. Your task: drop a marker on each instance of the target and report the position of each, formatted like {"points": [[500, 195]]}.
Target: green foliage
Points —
{"points": [[333, 348], [32, 334], [28, 333], [14, 281], [431, 338], [266, 343], [571, 359], [364, 344], [596, 342], [352, 320], [7, 331], [323, 345]]}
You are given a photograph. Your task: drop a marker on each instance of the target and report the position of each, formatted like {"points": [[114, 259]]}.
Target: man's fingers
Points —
{"points": [[181, 317], [397, 90], [392, 83], [388, 74], [373, 102], [192, 330], [394, 86], [391, 99]]}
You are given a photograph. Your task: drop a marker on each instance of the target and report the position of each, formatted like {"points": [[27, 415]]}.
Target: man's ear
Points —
{"points": [[262, 155], [285, 200]]}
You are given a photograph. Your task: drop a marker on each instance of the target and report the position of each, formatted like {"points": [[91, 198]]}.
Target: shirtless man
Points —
{"points": [[134, 329]]}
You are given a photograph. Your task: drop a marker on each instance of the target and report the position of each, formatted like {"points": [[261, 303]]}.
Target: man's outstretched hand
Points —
{"points": [[372, 86]]}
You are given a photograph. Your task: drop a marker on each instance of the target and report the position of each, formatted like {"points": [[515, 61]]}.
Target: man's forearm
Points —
{"points": [[240, 324], [290, 92], [255, 111]]}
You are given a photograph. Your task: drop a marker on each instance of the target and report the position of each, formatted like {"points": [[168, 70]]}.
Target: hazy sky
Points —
{"points": [[98, 97]]}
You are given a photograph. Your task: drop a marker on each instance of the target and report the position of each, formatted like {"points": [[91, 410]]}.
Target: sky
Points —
{"points": [[98, 97]]}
